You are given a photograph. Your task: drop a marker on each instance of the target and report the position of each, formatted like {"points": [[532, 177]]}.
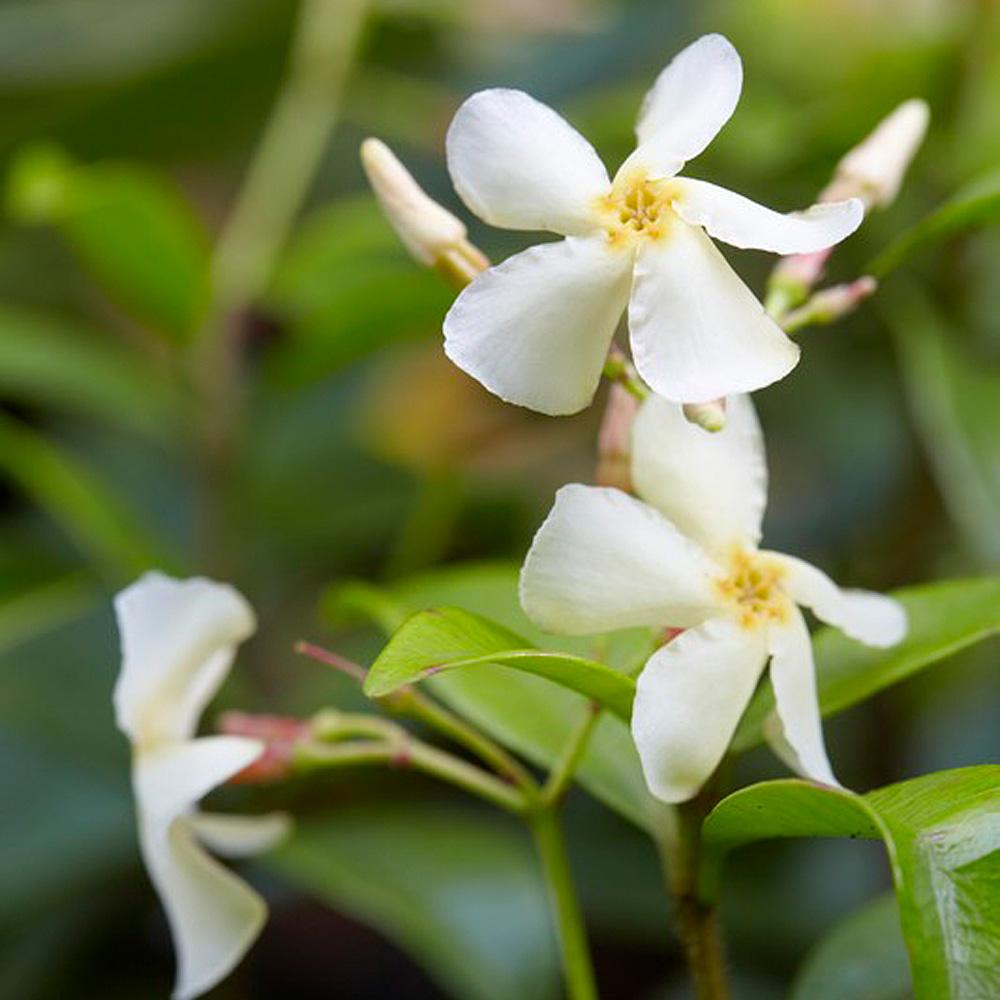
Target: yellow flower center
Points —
{"points": [[637, 206], [754, 587]]}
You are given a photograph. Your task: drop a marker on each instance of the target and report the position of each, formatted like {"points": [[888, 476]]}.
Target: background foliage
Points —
{"points": [[363, 456]]}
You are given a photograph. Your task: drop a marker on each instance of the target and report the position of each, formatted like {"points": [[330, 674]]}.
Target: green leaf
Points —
{"points": [[78, 501], [449, 638], [976, 204], [136, 235], [862, 958], [942, 835], [30, 612], [943, 619], [955, 401], [50, 362], [458, 889], [527, 714]]}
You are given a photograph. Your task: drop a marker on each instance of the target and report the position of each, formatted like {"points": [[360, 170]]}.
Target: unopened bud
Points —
{"points": [[279, 733], [433, 236], [873, 171], [830, 304], [709, 416], [614, 441]]}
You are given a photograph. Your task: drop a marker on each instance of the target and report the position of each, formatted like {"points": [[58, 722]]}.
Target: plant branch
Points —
{"points": [[561, 775]]}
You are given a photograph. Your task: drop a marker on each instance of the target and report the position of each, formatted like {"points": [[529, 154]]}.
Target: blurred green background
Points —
{"points": [[360, 453]]}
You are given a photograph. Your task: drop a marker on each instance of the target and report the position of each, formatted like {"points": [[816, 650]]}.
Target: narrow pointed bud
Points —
{"points": [[709, 416], [873, 171], [830, 304], [614, 441], [432, 235]]}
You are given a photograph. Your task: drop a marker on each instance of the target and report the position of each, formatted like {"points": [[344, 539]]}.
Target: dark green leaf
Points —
{"points": [[942, 835], [135, 234], [943, 618], [975, 204], [458, 890], [449, 638]]}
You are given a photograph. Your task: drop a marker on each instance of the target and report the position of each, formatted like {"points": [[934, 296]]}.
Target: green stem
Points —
{"points": [[618, 369], [561, 775], [572, 935], [679, 840]]}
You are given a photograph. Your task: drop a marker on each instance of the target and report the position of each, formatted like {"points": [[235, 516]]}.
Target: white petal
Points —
{"points": [[240, 836], [603, 561], [688, 700], [697, 331], [536, 329], [171, 778], [178, 640], [214, 916], [688, 104], [793, 678], [712, 486], [873, 619], [519, 165], [743, 223]]}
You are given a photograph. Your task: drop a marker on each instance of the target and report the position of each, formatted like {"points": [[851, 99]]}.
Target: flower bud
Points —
{"points": [[873, 171], [433, 236], [830, 304], [709, 416], [614, 441]]}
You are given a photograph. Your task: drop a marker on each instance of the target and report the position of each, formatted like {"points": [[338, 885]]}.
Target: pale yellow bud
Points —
{"points": [[873, 171], [431, 234], [709, 416]]}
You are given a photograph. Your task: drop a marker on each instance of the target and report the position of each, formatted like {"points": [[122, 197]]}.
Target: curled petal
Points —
{"points": [[688, 104], [603, 561], [697, 331], [240, 836], [519, 165], [871, 618], [793, 677], [688, 700], [178, 640], [713, 486], [535, 330], [743, 223]]}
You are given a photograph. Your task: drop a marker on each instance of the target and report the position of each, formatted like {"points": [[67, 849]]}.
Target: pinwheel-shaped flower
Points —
{"points": [[686, 556], [536, 329], [178, 642]]}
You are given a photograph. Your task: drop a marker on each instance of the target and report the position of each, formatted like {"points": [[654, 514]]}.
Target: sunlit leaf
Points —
{"points": [[862, 958], [133, 232], [451, 639], [459, 890], [942, 835], [943, 619]]}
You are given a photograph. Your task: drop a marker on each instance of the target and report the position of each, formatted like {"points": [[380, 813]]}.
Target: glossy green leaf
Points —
{"points": [[955, 401], [943, 619], [528, 714], [45, 361], [976, 204], [449, 639], [459, 890], [942, 835], [96, 519], [862, 958], [133, 232]]}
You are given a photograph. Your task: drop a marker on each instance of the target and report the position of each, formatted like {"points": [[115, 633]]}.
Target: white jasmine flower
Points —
{"points": [[686, 555], [536, 329], [178, 642]]}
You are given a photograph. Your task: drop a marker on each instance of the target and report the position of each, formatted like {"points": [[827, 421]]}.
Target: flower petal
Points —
{"points": [[240, 836], [519, 165], [178, 640], [712, 486], [214, 915], [871, 618], [603, 561], [743, 223], [697, 331], [688, 104], [688, 700], [536, 329], [793, 677]]}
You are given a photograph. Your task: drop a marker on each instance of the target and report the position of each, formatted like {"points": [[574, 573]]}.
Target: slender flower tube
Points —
{"points": [[686, 555], [535, 329], [178, 641]]}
